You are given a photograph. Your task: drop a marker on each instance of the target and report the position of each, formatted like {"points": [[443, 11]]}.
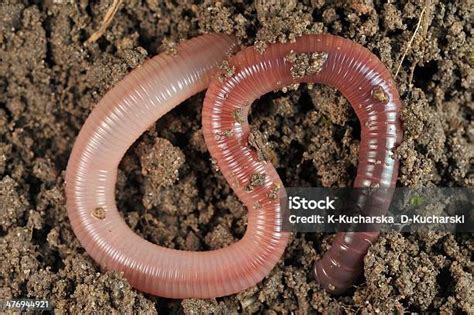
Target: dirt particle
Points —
{"points": [[258, 142], [273, 193], [160, 162], [226, 71], [379, 94], [197, 141], [192, 242], [470, 58], [256, 180], [284, 106], [306, 63], [219, 237], [362, 6], [237, 114], [227, 133], [291, 87], [169, 47], [44, 170], [99, 213], [215, 166]]}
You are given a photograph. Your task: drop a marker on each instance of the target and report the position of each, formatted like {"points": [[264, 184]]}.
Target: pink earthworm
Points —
{"points": [[163, 82], [340, 63]]}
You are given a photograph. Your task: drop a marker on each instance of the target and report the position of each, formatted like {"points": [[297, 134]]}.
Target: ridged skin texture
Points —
{"points": [[354, 71], [123, 114]]}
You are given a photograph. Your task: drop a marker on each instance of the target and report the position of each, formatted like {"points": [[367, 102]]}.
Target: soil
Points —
{"points": [[169, 191]]}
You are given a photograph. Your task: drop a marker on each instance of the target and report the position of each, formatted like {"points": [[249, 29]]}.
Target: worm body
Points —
{"points": [[337, 62], [163, 82], [122, 115]]}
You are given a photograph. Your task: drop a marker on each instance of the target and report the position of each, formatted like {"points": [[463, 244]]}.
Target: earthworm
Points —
{"points": [[340, 63], [153, 89], [120, 117]]}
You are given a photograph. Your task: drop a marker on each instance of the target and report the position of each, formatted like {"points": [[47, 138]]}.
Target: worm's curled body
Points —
{"points": [[361, 78]]}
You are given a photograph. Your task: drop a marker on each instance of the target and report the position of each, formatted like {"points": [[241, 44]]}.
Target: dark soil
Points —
{"points": [[50, 80]]}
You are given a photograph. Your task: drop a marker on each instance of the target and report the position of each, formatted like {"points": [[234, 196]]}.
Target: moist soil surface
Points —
{"points": [[168, 189]]}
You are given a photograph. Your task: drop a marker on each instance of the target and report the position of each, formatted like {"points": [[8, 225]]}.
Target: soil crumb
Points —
{"points": [[306, 64]]}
